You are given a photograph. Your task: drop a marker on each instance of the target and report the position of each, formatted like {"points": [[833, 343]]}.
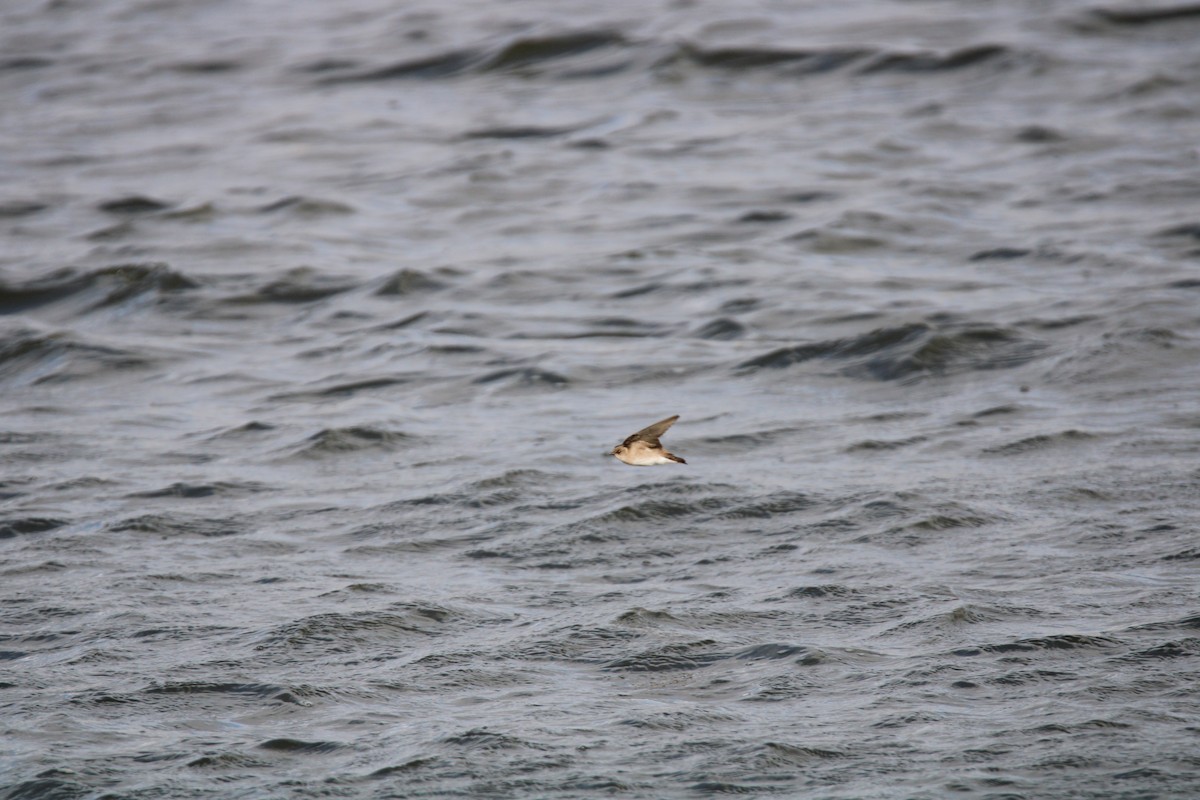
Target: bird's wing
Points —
{"points": [[650, 433]]}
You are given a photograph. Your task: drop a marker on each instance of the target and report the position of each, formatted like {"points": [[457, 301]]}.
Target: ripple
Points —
{"points": [[1066, 641], [306, 207], [910, 352], [777, 754], [133, 204], [341, 632], [37, 357], [523, 131], [669, 658], [196, 490], [525, 378], [227, 761], [301, 285], [1040, 442], [257, 690], [180, 525], [528, 51], [721, 329], [345, 389], [747, 58], [559, 55], [486, 740], [340, 441], [1147, 16], [771, 652], [408, 282], [438, 65], [10, 209], [94, 289], [300, 746], [1000, 254], [653, 510], [882, 444], [939, 62], [22, 526], [775, 505], [823, 591]]}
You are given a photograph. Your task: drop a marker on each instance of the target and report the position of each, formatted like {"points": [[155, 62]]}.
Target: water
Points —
{"points": [[318, 321]]}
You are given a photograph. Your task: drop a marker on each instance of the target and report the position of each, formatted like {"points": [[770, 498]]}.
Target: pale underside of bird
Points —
{"points": [[643, 449]]}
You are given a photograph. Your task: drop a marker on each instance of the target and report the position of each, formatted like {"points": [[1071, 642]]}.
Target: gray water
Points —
{"points": [[318, 320]]}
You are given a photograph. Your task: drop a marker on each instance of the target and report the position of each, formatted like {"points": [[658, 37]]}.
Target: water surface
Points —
{"points": [[318, 320]]}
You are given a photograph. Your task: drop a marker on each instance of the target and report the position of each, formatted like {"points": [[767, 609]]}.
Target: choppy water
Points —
{"points": [[318, 319]]}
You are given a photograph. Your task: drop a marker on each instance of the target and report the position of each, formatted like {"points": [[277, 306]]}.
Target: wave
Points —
{"points": [[183, 490], [1066, 641], [1138, 16], [181, 525], [340, 441], [600, 53], [22, 526], [300, 285], [525, 377], [524, 54], [1041, 442], [94, 289], [911, 351], [33, 356]]}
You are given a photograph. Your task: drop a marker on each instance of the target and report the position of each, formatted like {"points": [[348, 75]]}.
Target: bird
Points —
{"points": [[643, 449]]}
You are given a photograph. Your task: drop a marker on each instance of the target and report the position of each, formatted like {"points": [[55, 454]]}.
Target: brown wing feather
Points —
{"points": [[650, 433]]}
